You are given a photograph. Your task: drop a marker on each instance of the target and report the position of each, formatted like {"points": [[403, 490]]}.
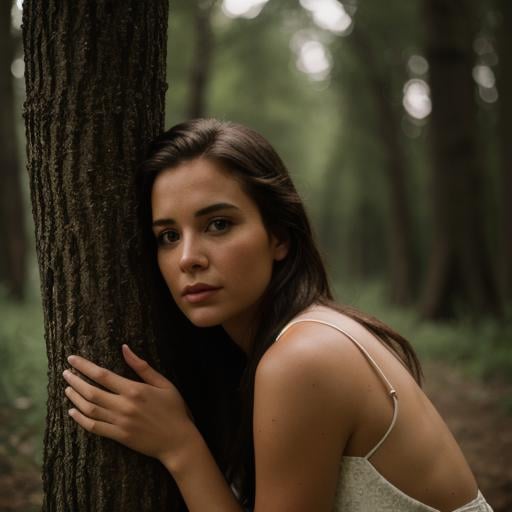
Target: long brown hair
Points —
{"points": [[297, 281]]}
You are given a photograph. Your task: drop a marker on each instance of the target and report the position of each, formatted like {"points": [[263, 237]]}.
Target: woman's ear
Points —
{"points": [[281, 246]]}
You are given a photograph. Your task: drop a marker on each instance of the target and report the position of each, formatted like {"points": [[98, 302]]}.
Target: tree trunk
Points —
{"points": [[459, 277], [201, 63], [12, 212], [505, 135], [95, 83], [395, 166]]}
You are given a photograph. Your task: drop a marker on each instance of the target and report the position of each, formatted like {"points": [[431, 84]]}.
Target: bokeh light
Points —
{"points": [[18, 68], [416, 99], [313, 59], [242, 8], [329, 15], [484, 76], [417, 65]]}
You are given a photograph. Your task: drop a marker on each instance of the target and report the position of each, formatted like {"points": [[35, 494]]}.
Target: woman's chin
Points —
{"points": [[201, 317]]}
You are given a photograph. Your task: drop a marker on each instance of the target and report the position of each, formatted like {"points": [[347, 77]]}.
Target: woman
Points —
{"points": [[319, 426]]}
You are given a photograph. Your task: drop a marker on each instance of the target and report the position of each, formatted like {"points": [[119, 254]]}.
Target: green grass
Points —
{"points": [[23, 381]]}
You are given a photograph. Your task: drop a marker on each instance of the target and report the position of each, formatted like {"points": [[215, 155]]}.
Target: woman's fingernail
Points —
{"points": [[71, 359]]}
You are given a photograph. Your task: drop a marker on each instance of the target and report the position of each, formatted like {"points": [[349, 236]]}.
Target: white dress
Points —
{"points": [[361, 488]]}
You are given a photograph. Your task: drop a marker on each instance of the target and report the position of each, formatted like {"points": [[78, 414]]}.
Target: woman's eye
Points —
{"points": [[219, 224], [167, 237]]}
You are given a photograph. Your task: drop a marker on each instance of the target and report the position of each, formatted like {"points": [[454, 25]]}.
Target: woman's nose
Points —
{"points": [[193, 256]]}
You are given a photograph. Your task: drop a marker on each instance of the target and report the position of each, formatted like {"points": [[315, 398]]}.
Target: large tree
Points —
{"points": [[95, 83], [504, 38], [12, 218], [199, 79], [459, 276], [371, 78], [395, 166]]}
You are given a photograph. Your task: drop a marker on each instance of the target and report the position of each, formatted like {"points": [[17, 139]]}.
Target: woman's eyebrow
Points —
{"points": [[203, 211]]}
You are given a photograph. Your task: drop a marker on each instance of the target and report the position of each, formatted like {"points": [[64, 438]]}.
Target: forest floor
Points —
{"points": [[473, 410], [477, 414]]}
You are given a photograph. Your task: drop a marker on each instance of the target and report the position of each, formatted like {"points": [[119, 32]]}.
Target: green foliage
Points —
{"points": [[23, 380], [481, 349]]}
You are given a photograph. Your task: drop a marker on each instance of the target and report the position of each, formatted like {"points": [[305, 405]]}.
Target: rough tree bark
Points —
{"points": [[13, 240], [95, 81], [504, 38], [459, 276]]}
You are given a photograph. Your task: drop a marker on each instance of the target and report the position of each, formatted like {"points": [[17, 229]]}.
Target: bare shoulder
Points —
{"points": [[313, 356], [303, 418], [313, 346]]}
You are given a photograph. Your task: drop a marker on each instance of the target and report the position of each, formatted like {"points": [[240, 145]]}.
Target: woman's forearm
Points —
{"points": [[199, 479]]}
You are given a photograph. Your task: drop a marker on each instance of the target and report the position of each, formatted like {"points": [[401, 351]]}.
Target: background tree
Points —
{"points": [[504, 39], [388, 120], [363, 58], [459, 274], [200, 71], [12, 210], [95, 86]]}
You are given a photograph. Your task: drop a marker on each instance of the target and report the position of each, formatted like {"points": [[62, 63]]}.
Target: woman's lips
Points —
{"points": [[200, 296]]}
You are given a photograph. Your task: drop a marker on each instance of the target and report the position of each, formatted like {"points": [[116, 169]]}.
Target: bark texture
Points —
{"points": [[459, 277], [13, 240], [95, 82]]}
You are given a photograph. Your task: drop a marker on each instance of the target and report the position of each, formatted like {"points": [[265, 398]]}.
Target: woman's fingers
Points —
{"points": [[106, 378], [142, 368], [91, 393], [98, 427], [89, 409]]}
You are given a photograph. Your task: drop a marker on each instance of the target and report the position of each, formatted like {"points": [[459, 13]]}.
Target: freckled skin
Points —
{"points": [[238, 258]]}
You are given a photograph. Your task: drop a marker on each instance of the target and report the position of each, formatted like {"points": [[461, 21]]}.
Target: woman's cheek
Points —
{"points": [[249, 261]]}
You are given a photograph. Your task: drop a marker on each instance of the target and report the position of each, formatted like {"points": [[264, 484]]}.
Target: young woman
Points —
{"points": [[331, 415]]}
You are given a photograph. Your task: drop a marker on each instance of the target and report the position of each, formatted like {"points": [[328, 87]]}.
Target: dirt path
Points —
{"points": [[471, 409], [478, 420]]}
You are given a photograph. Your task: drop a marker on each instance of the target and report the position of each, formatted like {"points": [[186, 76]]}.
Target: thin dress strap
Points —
{"points": [[391, 390]]}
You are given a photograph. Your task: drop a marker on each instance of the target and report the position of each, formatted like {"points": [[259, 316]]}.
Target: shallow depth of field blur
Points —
{"points": [[342, 90]]}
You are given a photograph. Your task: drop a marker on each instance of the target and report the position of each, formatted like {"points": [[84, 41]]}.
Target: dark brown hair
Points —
{"points": [[297, 281]]}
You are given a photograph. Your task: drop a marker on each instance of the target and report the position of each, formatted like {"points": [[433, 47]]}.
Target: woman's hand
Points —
{"points": [[149, 417]]}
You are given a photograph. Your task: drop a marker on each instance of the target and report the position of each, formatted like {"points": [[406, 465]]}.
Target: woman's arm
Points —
{"points": [[303, 417], [150, 418], [300, 427], [198, 477]]}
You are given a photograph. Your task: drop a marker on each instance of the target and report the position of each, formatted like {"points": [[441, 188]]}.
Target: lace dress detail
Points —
{"points": [[361, 488]]}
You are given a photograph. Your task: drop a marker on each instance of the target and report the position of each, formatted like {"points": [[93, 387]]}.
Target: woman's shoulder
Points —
{"points": [[308, 376], [308, 337], [320, 333], [330, 344], [311, 353]]}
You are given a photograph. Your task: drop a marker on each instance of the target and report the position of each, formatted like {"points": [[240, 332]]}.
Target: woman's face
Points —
{"points": [[210, 231]]}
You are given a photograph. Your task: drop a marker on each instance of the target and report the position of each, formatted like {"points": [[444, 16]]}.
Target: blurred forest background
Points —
{"points": [[394, 119]]}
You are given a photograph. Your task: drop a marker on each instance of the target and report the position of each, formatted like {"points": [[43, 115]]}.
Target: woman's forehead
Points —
{"points": [[196, 185]]}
